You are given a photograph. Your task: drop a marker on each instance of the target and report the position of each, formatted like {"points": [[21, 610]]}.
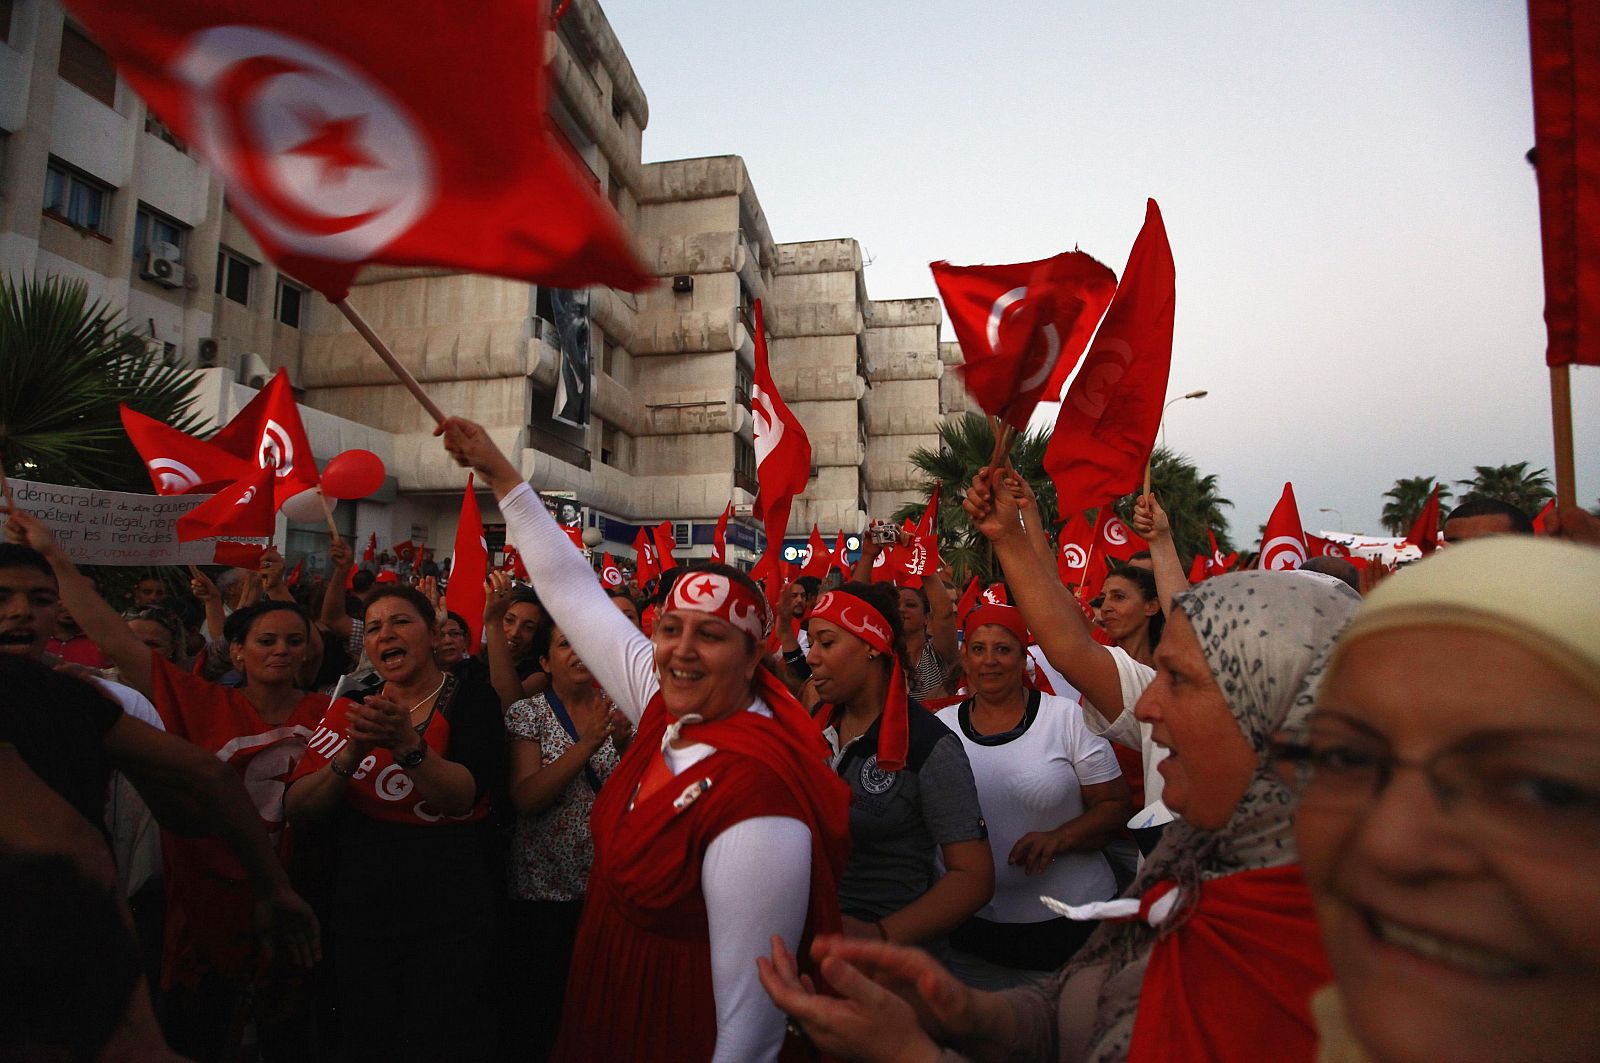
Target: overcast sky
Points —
{"points": [[1355, 227]]}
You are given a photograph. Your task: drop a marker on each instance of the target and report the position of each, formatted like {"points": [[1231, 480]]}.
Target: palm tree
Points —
{"points": [[65, 365], [1191, 500], [1406, 499], [1512, 484]]}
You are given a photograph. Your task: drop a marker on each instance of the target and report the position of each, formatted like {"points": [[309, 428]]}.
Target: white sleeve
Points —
{"points": [[747, 901], [1134, 677], [618, 653]]}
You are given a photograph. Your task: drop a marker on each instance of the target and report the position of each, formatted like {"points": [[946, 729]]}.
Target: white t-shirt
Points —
{"points": [[1031, 780], [1126, 730]]}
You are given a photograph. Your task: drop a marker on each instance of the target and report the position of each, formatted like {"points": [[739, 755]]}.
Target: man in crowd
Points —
{"points": [[150, 591], [1476, 517]]}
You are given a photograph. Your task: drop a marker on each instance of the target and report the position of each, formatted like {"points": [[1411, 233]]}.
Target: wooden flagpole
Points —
{"points": [[390, 360], [1561, 421], [327, 514]]}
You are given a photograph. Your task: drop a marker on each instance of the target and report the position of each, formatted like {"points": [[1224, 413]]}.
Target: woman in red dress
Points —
{"points": [[720, 828]]}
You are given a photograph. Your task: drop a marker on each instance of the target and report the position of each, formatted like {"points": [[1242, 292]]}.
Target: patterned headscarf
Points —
{"points": [[1266, 637]]}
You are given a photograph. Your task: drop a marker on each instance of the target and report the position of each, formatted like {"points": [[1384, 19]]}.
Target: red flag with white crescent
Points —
{"points": [[1216, 563], [783, 452], [610, 574], [1284, 543], [1076, 555], [268, 433], [1114, 538], [719, 537], [664, 540], [818, 560], [1108, 421], [243, 510], [179, 463], [415, 134], [466, 594], [841, 555], [645, 567], [1199, 569], [1022, 327]]}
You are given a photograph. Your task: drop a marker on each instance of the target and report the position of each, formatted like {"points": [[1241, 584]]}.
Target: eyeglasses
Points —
{"points": [[1502, 788]]}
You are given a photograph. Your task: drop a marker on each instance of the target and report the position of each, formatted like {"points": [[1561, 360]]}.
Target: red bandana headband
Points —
{"points": [[1006, 616], [716, 594], [854, 615]]}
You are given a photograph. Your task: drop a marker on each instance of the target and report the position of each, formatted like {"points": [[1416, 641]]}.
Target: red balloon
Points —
{"points": [[353, 474]]}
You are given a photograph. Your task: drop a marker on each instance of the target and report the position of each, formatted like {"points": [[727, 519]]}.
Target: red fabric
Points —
{"points": [[1108, 421], [268, 433], [1007, 616], [644, 917], [1233, 983], [841, 556], [242, 510], [380, 788], [1424, 533], [995, 594], [719, 537], [1022, 327], [1317, 546], [1565, 39], [1541, 523], [209, 898], [644, 560], [370, 554], [727, 599], [969, 598], [851, 614], [405, 551], [783, 452], [293, 578], [1114, 538], [179, 463], [610, 574], [1199, 569], [1073, 555], [818, 561], [512, 563], [469, 567], [78, 650], [662, 534], [1217, 564], [928, 523], [238, 555], [406, 133], [1283, 545]]}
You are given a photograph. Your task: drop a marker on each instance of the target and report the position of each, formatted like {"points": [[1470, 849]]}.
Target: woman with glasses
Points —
{"points": [[1450, 811]]}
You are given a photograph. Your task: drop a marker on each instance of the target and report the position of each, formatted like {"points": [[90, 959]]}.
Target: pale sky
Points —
{"points": [[1355, 228]]}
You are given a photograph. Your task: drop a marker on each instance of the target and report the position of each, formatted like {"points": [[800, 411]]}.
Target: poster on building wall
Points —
{"points": [[114, 527], [576, 378]]}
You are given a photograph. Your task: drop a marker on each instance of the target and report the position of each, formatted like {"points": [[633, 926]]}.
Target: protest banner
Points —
{"points": [[114, 527]]}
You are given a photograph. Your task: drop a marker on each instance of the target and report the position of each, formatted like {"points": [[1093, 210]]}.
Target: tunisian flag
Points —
{"points": [[1424, 533], [719, 537], [411, 132], [1022, 327], [1217, 563], [179, 463], [610, 574], [1113, 536], [664, 540], [818, 560], [1283, 545], [268, 433], [645, 566], [783, 453], [469, 568], [1565, 36], [1109, 418], [243, 510]]}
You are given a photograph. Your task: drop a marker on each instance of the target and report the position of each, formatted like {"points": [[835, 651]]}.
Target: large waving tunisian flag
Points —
{"points": [[1022, 327], [1109, 418], [243, 510], [783, 452], [409, 132], [1565, 36], [469, 567], [179, 463], [268, 433]]}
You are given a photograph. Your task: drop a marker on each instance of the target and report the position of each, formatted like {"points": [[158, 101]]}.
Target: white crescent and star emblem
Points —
{"points": [[276, 449], [1283, 551], [1116, 532], [316, 153], [768, 426], [246, 498], [611, 576], [172, 476], [1052, 338], [1074, 556]]}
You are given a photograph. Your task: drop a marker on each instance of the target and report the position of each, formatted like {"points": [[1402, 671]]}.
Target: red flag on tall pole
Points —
{"points": [[1108, 421], [469, 567], [268, 432], [645, 567], [664, 540], [1022, 327], [719, 537], [783, 453], [417, 134], [179, 463], [1424, 533], [243, 510], [1283, 545], [818, 560]]}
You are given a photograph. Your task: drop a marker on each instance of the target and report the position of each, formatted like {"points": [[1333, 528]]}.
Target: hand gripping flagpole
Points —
{"points": [[390, 360]]}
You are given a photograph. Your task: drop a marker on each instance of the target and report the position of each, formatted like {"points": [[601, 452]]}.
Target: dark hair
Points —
{"points": [[525, 596], [812, 584], [237, 627], [1142, 555], [163, 616], [920, 592], [15, 555], [409, 595], [1146, 582], [1337, 567], [466, 628], [1483, 506], [543, 635], [621, 594], [362, 581], [885, 601]]}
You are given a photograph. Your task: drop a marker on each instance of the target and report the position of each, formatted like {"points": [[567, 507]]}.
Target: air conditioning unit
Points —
{"points": [[163, 263], [208, 354], [253, 372]]}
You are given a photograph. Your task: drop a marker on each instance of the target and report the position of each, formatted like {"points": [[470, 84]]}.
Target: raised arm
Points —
{"points": [[333, 617], [942, 618], [618, 654], [1053, 616], [1150, 521], [103, 624]]}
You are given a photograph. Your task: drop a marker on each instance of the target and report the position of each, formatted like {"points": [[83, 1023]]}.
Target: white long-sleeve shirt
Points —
{"points": [[756, 875]]}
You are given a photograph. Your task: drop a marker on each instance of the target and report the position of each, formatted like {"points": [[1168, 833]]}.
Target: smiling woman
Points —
{"points": [[1450, 823]]}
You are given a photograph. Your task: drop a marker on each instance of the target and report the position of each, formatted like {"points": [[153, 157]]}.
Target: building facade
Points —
{"points": [[92, 186]]}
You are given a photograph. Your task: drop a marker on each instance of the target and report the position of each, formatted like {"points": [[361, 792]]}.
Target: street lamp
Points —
{"points": [[1335, 512], [1197, 394]]}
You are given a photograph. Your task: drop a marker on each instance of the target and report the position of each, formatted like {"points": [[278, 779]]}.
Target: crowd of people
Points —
{"points": [[1259, 817]]}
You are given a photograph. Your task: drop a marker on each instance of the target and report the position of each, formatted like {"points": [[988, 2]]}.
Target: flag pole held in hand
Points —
{"points": [[390, 360]]}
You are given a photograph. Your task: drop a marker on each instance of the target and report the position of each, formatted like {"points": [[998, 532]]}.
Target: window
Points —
{"points": [[744, 465], [76, 198], [233, 276], [614, 445], [151, 227], [86, 65], [290, 303], [158, 129], [744, 381]]}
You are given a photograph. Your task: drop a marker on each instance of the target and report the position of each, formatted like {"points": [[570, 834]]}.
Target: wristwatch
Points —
{"points": [[410, 760]]}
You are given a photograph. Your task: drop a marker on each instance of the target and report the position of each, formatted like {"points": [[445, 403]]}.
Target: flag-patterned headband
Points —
{"points": [[854, 615], [714, 593]]}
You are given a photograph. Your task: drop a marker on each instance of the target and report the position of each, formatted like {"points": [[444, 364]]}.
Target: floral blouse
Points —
{"points": [[552, 852]]}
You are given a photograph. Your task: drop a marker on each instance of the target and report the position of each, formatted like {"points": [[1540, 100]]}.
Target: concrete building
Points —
{"points": [[93, 186]]}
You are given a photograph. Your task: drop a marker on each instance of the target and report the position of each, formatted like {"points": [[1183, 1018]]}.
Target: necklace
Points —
{"points": [[429, 698]]}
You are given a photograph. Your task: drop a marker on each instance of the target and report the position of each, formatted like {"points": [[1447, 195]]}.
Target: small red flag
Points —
{"points": [[1073, 551], [1317, 546], [969, 600], [1541, 523], [1199, 570], [1217, 564], [1424, 533], [928, 523], [416, 134], [268, 433], [370, 554], [293, 578], [719, 537], [610, 574], [238, 555], [645, 567], [664, 543], [469, 568], [841, 556], [405, 551], [783, 453], [1108, 421], [243, 510], [996, 594], [1284, 543], [1114, 538], [1022, 327], [178, 462], [818, 560]]}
